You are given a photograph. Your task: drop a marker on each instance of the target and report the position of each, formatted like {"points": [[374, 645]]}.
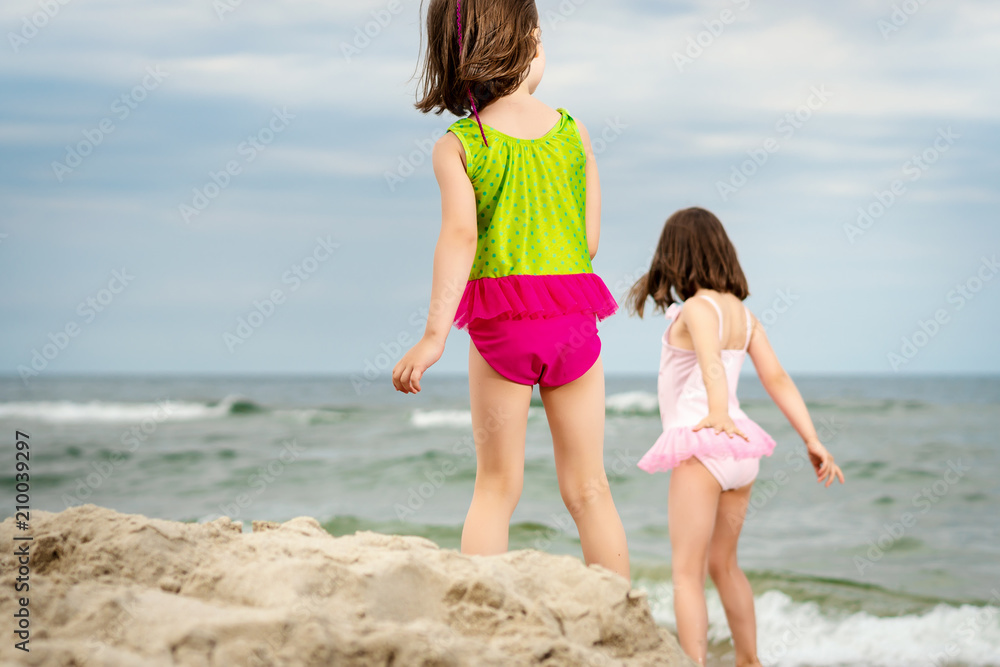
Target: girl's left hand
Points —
{"points": [[721, 423], [822, 460], [407, 373]]}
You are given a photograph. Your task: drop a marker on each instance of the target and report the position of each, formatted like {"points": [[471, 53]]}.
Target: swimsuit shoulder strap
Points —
{"points": [[717, 310], [749, 327]]}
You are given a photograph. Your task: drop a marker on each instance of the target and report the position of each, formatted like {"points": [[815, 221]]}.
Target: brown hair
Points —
{"points": [[694, 253], [498, 46]]}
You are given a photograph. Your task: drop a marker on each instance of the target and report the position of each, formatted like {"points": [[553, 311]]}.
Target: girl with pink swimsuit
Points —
{"points": [[710, 444], [520, 222]]}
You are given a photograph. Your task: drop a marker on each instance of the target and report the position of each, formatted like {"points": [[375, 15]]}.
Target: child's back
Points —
{"points": [[520, 221], [683, 397], [531, 206]]}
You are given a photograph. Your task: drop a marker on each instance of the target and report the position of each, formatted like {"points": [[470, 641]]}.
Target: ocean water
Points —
{"points": [[901, 566]]}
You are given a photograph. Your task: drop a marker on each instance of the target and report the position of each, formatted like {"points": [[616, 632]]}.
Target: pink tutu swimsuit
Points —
{"points": [[532, 301], [734, 462]]}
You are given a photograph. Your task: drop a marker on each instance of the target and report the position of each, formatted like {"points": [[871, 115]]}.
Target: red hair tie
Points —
{"points": [[475, 111]]}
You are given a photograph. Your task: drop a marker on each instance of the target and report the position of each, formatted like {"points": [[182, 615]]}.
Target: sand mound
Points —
{"points": [[116, 589]]}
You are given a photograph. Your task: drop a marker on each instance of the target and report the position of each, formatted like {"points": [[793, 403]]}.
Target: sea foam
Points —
{"points": [[109, 412], [793, 634], [437, 418], [451, 418], [641, 402]]}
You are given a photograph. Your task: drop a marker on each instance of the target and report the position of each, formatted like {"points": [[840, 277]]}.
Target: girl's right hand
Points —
{"points": [[822, 460], [721, 424], [407, 373]]}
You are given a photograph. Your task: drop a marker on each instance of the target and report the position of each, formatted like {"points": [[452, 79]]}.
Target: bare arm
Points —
{"points": [[786, 396], [593, 194], [779, 385], [453, 258], [702, 323]]}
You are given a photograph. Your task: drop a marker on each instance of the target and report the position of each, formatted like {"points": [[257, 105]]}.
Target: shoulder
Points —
{"points": [[698, 306], [700, 313], [756, 327], [449, 144], [449, 149], [752, 320], [461, 128], [570, 118], [460, 131], [581, 128], [450, 141], [462, 137]]}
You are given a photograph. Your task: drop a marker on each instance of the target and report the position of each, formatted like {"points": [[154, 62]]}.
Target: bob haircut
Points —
{"points": [[694, 253], [498, 45]]}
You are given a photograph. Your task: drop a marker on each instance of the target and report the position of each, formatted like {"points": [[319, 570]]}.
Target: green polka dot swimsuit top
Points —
{"points": [[532, 258]]}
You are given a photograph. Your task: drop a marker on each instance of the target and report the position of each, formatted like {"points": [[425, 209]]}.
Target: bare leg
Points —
{"points": [[499, 422], [576, 418], [694, 497], [734, 589]]}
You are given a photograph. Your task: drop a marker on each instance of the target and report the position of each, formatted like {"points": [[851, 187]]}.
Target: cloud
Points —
{"points": [[345, 70]]}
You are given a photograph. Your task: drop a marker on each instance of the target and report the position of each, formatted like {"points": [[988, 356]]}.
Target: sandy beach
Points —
{"points": [[119, 589]]}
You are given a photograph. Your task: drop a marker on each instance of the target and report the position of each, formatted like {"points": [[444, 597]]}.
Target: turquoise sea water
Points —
{"points": [[899, 567]]}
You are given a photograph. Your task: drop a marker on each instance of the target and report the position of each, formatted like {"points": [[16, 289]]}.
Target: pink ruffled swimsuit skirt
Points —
{"points": [[684, 403]]}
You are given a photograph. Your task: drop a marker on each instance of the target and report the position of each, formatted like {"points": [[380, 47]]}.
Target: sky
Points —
{"points": [[244, 187]]}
